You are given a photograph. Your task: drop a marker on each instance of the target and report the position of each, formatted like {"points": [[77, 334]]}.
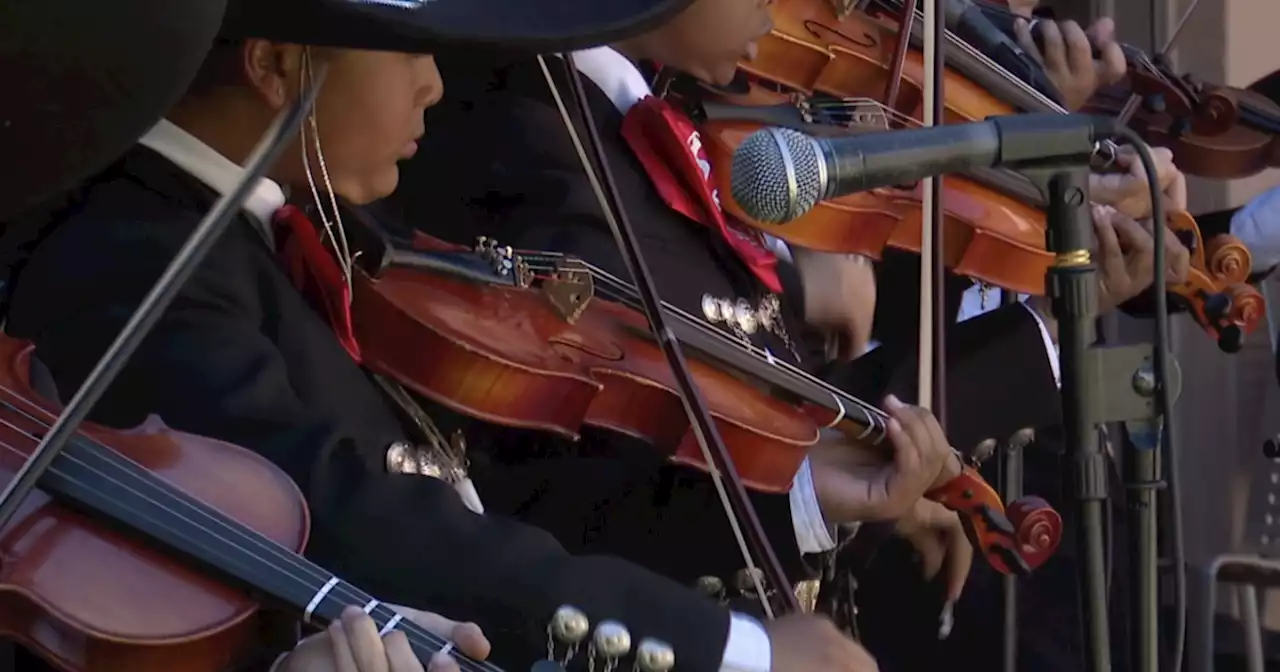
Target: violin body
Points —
{"points": [[543, 353], [987, 235], [810, 50], [88, 598], [513, 360], [1206, 137]]}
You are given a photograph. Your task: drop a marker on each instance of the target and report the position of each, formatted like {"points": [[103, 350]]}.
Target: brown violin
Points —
{"points": [[991, 233], [81, 586], [526, 340]]}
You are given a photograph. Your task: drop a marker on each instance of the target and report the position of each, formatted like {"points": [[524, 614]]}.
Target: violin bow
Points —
{"points": [[745, 523], [931, 385]]}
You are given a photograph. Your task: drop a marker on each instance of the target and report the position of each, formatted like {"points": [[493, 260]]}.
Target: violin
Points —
{"points": [[530, 343], [88, 597], [1214, 131], [991, 231]]}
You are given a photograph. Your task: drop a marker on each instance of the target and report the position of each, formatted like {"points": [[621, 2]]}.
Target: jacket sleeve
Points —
{"points": [[207, 368]]}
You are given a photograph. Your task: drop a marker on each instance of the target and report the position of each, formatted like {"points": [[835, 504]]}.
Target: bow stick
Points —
{"points": [[747, 530]]}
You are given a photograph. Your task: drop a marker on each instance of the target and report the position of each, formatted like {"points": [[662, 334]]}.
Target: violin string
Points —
{"points": [[305, 573], [624, 294]]}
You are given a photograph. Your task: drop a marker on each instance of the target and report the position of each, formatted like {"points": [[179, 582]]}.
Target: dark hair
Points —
{"points": [[223, 67]]}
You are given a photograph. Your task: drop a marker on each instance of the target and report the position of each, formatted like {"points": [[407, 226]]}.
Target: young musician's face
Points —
{"points": [[370, 116], [710, 37], [369, 113]]}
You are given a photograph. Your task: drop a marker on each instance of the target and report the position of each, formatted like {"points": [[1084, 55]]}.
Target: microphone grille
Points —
{"points": [[778, 175]]}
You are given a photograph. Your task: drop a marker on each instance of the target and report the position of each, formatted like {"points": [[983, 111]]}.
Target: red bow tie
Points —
{"points": [[670, 149], [315, 272]]}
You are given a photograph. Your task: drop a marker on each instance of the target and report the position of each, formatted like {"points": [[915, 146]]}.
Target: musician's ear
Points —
{"points": [[274, 71]]}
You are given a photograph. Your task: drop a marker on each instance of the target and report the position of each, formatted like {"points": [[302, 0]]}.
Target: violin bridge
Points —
{"points": [[569, 289]]}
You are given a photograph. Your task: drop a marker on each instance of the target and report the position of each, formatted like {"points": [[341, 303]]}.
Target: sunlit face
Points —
{"points": [[709, 38], [368, 114]]}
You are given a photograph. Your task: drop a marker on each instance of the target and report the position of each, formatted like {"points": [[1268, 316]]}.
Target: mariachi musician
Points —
{"points": [[1078, 62], [243, 356], [521, 179], [54, 152]]}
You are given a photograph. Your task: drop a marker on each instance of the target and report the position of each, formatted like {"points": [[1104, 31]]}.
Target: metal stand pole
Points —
{"points": [[1072, 286]]}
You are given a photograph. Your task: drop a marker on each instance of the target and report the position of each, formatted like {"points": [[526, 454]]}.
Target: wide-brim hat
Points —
{"points": [[539, 26], [80, 82], [84, 80]]}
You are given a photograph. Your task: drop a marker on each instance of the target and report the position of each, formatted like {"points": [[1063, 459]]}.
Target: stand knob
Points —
{"points": [[1271, 448]]}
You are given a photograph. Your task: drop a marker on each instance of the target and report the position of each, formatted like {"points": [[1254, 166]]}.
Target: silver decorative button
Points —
{"points": [[710, 308], [655, 656], [569, 625], [612, 639]]}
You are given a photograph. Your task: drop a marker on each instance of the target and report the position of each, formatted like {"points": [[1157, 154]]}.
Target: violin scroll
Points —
{"points": [[1039, 529], [1227, 259], [1016, 543]]}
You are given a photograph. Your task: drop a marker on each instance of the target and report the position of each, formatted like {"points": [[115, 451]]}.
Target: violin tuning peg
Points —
{"points": [[984, 450], [1022, 438]]}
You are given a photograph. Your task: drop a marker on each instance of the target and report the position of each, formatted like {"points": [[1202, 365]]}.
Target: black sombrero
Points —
{"points": [[425, 25], [84, 80]]}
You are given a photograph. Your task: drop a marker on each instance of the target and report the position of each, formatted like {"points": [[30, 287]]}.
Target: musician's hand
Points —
{"points": [[1126, 257], [1126, 262], [1023, 8], [839, 299], [804, 643], [1068, 57], [938, 536], [352, 644], [1129, 193], [857, 483]]}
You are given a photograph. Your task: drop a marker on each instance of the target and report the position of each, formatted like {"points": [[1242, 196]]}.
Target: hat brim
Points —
{"points": [[422, 26], [84, 80]]}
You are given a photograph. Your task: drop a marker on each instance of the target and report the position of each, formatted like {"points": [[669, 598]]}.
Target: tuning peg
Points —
{"points": [[984, 450]]}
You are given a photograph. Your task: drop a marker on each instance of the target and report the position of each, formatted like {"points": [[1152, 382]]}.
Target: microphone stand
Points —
{"points": [[1072, 285], [1102, 385]]}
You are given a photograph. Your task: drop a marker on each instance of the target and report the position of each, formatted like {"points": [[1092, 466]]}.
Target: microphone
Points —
{"points": [[779, 174]]}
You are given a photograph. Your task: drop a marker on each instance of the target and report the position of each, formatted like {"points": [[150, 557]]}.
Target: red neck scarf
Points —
{"points": [[670, 149], [316, 273]]}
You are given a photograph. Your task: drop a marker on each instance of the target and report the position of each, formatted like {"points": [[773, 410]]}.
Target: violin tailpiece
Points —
{"points": [[569, 289]]}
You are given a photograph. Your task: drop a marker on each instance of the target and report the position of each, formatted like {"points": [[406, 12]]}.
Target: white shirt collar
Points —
{"points": [[614, 74], [217, 171]]}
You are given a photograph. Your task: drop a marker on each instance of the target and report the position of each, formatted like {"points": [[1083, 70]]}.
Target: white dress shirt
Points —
{"points": [[748, 648], [1257, 225]]}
